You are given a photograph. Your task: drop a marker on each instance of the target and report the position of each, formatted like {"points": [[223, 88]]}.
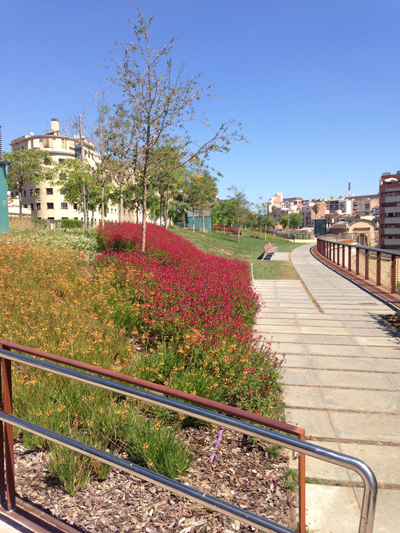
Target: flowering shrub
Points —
{"points": [[195, 313], [229, 229]]}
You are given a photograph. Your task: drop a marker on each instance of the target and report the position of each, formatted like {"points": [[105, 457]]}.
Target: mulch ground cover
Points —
{"points": [[242, 473]]}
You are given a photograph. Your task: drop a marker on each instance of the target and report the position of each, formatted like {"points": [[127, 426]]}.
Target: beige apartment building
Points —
{"points": [[46, 201]]}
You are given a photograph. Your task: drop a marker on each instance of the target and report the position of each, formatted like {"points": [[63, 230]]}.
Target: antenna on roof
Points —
{"points": [[349, 186]]}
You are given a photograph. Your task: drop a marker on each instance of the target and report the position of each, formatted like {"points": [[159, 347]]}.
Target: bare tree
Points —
{"points": [[160, 104]]}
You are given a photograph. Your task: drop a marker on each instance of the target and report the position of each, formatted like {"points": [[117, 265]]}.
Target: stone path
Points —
{"points": [[342, 384]]}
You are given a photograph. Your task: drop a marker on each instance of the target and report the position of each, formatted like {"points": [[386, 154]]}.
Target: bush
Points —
{"points": [[67, 223]]}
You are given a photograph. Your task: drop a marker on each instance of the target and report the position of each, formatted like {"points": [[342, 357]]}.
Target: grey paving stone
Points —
{"points": [[382, 351], [287, 347], [299, 376], [328, 339], [315, 423], [303, 361], [388, 365], [387, 510], [361, 400], [363, 426], [377, 341], [343, 363], [383, 460], [358, 380], [332, 509], [395, 379], [324, 329], [266, 328], [295, 396]]}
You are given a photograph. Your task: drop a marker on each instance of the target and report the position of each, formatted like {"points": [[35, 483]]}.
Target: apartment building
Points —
{"points": [[389, 211], [46, 201]]}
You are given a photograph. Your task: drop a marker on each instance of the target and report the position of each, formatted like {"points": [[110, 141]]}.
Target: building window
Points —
{"points": [[64, 205], [61, 160], [24, 193], [37, 191], [50, 218], [75, 206], [26, 206], [31, 192], [49, 190], [50, 206], [38, 207], [64, 218], [32, 207]]}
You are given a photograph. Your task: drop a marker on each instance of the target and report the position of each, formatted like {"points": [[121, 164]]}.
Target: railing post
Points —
{"points": [[9, 434], [393, 275], [357, 261], [2, 444], [338, 254], [366, 264], [343, 255], [349, 259], [302, 488], [378, 267]]}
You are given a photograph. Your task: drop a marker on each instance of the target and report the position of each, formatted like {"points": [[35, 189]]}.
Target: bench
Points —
{"points": [[269, 251]]}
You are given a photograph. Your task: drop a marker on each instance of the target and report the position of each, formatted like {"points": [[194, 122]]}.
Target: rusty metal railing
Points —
{"points": [[266, 435], [376, 265]]}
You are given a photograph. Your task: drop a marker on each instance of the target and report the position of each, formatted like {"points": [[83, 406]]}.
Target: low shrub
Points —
{"points": [[72, 224]]}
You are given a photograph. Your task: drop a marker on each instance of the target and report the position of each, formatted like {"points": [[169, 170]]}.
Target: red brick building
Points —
{"points": [[389, 211]]}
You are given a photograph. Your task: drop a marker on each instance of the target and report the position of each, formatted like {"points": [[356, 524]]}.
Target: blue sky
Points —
{"points": [[315, 83]]}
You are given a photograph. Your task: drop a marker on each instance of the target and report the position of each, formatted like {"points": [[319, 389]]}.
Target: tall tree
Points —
{"points": [[159, 103], [25, 167], [315, 208], [295, 220], [241, 205]]}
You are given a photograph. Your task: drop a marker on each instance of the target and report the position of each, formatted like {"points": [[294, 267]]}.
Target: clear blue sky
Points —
{"points": [[315, 83]]}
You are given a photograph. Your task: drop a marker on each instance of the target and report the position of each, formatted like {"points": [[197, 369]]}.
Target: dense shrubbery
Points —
{"points": [[176, 315], [194, 312], [226, 229]]}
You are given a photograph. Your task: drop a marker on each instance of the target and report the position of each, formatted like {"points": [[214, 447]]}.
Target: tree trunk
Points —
{"points": [[20, 204], [265, 233], [121, 202], [238, 231], [102, 205], [224, 228], [193, 218], [144, 211], [204, 226]]}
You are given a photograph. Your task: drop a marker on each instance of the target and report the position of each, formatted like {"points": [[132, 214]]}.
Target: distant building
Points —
{"points": [[389, 211], [46, 201], [276, 200]]}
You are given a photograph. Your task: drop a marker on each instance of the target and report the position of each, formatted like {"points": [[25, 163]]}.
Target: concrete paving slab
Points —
{"points": [[329, 349], [283, 337], [326, 323], [298, 361], [387, 510], [316, 423], [295, 396], [276, 321], [299, 376], [387, 365], [377, 341], [266, 328], [287, 347], [382, 351], [371, 331], [323, 328], [7, 525], [327, 339], [395, 379], [383, 460], [315, 468], [366, 426], [358, 380], [332, 509], [343, 363], [362, 400]]}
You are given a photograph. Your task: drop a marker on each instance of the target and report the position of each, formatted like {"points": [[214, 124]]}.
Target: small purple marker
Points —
{"points": [[216, 446]]}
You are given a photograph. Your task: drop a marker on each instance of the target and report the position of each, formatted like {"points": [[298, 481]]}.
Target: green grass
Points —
{"points": [[249, 249]]}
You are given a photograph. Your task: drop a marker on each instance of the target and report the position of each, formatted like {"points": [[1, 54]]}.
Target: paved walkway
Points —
{"points": [[342, 384]]}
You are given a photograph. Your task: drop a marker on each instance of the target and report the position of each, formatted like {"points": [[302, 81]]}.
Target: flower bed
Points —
{"points": [[194, 313]]}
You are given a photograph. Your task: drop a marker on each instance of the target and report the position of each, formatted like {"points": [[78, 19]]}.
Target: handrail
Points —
{"points": [[329, 250], [307, 448], [382, 250]]}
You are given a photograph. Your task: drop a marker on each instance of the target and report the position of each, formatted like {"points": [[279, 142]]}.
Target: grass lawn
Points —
{"points": [[249, 249]]}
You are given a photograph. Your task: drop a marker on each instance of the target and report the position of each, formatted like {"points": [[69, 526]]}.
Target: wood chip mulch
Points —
{"points": [[242, 474]]}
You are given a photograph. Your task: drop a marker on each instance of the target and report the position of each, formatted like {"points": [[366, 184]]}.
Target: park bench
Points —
{"points": [[269, 251]]}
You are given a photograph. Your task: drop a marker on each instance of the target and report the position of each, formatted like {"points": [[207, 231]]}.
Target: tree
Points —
{"points": [[79, 183], [159, 104], [315, 208], [240, 205], [26, 166], [223, 212], [295, 220]]}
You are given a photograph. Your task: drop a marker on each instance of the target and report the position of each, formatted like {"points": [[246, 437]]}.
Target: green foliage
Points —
{"points": [[290, 479], [295, 220], [72, 224]]}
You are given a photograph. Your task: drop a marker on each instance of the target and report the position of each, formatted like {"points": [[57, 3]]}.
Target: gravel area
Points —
{"points": [[242, 473]]}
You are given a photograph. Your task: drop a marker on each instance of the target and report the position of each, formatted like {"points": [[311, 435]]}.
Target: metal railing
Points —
{"points": [[373, 264], [227, 422]]}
